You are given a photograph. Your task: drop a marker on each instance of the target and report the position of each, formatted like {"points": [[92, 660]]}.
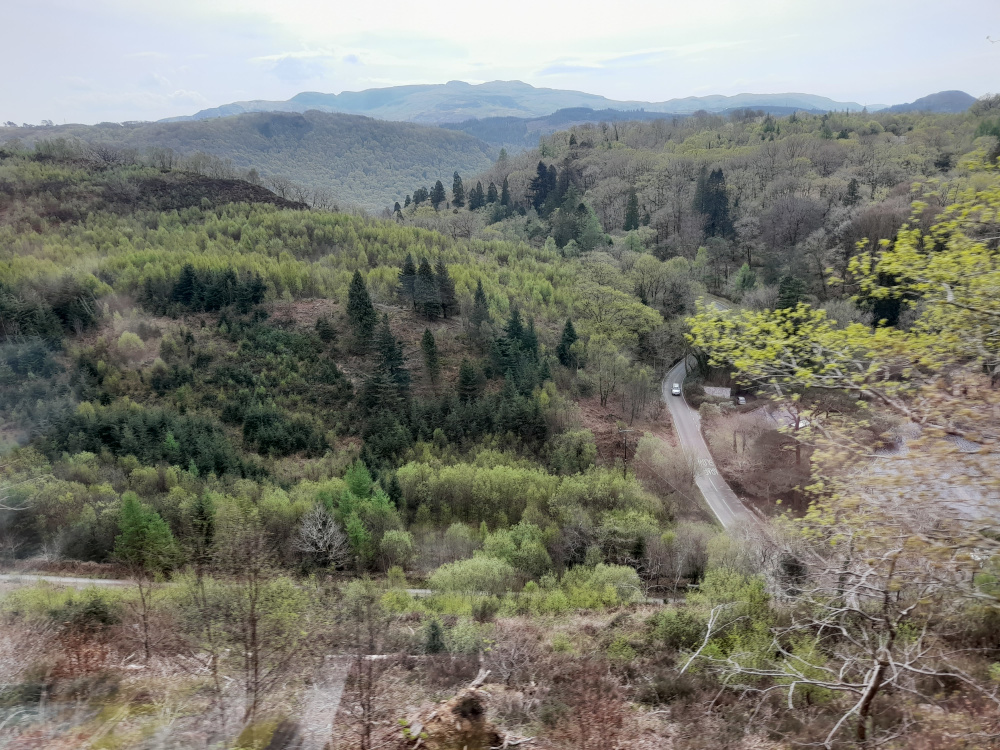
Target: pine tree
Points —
{"points": [[491, 194], [529, 339], [437, 195], [187, 288], [468, 382], [421, 194], [457, 191], [514, 328], [853, 195], [480, 310], [397, 209], [435, 639], [539, 186], [388, 387], [406, 203], [408, 279], [572, 139], [432, 364], [505, 193], [326, 331], [791, 291], [426, 295], [631, 212], [360, 312], [564, 351], [446, 288]]}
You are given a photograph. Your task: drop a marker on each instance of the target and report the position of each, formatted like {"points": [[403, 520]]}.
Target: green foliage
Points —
{"points": [[434, 638], [482, 574], [144, 541]]}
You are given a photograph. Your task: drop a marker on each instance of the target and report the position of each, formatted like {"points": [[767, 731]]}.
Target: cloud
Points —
{"points": [[154, 82]]}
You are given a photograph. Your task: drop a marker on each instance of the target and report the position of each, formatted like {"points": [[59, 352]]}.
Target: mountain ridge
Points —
{"points": [[458, 101]]}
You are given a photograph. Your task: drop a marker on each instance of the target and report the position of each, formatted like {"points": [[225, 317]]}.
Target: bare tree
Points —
{"points": [[321, 538]]}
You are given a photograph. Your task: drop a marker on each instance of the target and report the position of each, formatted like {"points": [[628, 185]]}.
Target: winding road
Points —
{"points": [[720, 497]]}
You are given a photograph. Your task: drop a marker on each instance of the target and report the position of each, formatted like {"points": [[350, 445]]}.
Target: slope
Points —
{"points": [[361, 160]]}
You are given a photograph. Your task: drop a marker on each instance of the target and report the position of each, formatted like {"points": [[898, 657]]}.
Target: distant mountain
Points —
{"points": [[457, 101], [942, 101], [359, 159]]}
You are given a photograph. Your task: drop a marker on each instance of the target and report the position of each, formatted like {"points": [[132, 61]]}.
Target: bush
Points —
{"points": [[477, 575], [677, 629]]}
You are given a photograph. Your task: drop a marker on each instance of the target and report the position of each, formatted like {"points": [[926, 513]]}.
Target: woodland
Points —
{"points": [[338, 479]]}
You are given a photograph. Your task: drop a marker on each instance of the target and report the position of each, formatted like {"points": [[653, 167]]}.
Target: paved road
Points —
{"points": [[720, 497]]}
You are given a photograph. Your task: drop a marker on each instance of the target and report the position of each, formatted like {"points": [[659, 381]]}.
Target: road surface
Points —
{"points": [[720, 497]]}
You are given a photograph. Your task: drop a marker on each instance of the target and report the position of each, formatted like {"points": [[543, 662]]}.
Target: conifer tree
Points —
{"points": [[408, 280], [514, 328], [388, 387], [631, 212], [480, 310], [468, 382], [446, 288], [505, 193], [564, 351], [491, 193], [360, 312], [539, 186], [437, 195], [325, 330], [791, 291], [144, 542], [426, 294], [432, 364], [396, 209], [457, 191], [435, 638], [407, 202]]}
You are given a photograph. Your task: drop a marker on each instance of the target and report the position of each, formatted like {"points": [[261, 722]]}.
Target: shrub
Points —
{"points": [[476, 575]]}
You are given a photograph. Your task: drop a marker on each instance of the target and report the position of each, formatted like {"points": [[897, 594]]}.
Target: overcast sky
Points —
{"points": [[113, 60]]}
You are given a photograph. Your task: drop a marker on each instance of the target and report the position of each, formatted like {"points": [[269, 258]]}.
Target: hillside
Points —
{"points": [[457, 101], [360, 160], [942, 101]]}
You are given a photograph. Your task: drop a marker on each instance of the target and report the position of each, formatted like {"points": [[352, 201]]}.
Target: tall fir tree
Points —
{"points": [[505, 193], [539, 186], [408, 280], [631, 212], [480, 311], [446, 288], [144, 542], [791, 291], [360, 312], [438, 195], [457, 191], [428, 300], [564, 351], [432, 363], [515, 327], [388, 387], [468, 382]]}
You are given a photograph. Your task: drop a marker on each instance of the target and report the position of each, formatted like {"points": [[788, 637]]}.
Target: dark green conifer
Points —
{"points": [[408, 279], [631, 212], [505, 193], [432, 364], [360, 312], [491, 193], [564, 351], [437, 195], [457, 191], [426, 294], [446, 288], [468, 382]]}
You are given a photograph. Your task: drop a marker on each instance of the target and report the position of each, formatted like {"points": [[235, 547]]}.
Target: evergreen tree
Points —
{"points": [[468, 382], [360, 312], [480, 197], [437, 195], [491, 193], [632, 212], [853, 196], [539, 186], [326, 331], [397, 209], [427, 297], [188, 287], [480, 309], [435, 638], [505, 193], [514, 328], [406, 203], [712, 200], [446, 288], [564, 351], [457, 191], [388, 387], [572, 139], [432, 364], [420, 195], [791, 291], [529, 339], [408, 280]]}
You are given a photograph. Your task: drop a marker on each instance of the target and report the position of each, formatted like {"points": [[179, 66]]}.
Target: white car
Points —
{"points": [[676, 390]]}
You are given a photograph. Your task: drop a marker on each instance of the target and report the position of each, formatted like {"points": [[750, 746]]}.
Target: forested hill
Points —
{"points": [[359, 160], [457, 101]]}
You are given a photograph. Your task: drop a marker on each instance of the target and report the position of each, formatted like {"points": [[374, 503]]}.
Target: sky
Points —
{"points": [[115, 60]]}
